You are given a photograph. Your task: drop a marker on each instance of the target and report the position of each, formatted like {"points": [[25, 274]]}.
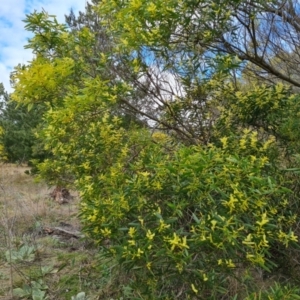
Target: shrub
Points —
{"points": [[186, 220]]}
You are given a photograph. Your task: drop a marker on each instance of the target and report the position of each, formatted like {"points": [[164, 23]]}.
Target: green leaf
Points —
{"points": [[38, 294], [79, 296], [22, 292], [30, 106]]}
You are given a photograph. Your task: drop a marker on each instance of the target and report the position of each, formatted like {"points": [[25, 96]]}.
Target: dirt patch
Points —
{"points": [[61, 195]]}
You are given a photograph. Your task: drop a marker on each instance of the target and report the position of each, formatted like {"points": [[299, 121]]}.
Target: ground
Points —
{"points": [[43, 241]]}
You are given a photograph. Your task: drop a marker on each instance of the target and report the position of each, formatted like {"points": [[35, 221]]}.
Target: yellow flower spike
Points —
{"points": [[131, 242], [141, 221], [175, 241], [224, 141], [293, 237], [181, 243], [214, 223], [151, 8], [248, 240], [231, 203], [203, 238], [230, 264], [184, 243], [193, 229], [253, 139], [144, 174], [139, 253], [132, 231], [264, 243], [162, 225], [243, 143], [157, 185], [263, 221], [264, 160], [92, 218], [106, 232], [136, 4], [148, 265], [194, 289], [246, 131], [150, 235]]}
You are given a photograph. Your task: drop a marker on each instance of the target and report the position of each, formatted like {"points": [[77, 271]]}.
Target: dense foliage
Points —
{"points": [[18, 127], [173, 121]]}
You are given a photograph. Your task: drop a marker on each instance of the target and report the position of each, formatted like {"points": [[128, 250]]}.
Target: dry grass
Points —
{"points": [[25, 203], [25, 210]]}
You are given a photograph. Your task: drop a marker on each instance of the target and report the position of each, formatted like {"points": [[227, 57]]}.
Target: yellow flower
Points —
{"points": [[293, 237], [184, 243], [141, 221], [144, 174], [194, 289], [92, 218], [264, 243], [162, 225], [175, 242], [243, 143], [263, 221], [248, 240], [151, 8], [136, 4], [139, 253], [257, 258], [178, 242], [263, 160], [156, 185], [131, 231], [229, 263], [106, 232], [253, 139], [150, 235], [214, 223], [246, 131], [231, 203], [269, 142], [131, 242], [224, 142]]}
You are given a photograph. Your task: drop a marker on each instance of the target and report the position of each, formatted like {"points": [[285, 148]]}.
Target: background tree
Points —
{"points": [[19, 125]]}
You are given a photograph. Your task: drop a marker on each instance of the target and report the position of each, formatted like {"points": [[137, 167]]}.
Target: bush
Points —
{"points": [[186, 220]]}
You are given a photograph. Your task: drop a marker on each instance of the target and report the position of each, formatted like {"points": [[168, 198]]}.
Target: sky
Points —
{"points": [[13, 36]]}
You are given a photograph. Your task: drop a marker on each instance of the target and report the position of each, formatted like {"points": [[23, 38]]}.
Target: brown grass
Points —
{"points": [[24, 203], [25, 209]]}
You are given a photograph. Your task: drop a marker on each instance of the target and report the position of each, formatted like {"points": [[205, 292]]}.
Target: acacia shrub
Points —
{"points": [[187, 218]]}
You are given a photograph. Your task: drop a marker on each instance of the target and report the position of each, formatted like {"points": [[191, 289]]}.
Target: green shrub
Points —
{"points": [[185, 221]]}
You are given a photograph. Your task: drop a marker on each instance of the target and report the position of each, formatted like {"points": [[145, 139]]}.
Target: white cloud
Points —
{"points": [[13, 36]]}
